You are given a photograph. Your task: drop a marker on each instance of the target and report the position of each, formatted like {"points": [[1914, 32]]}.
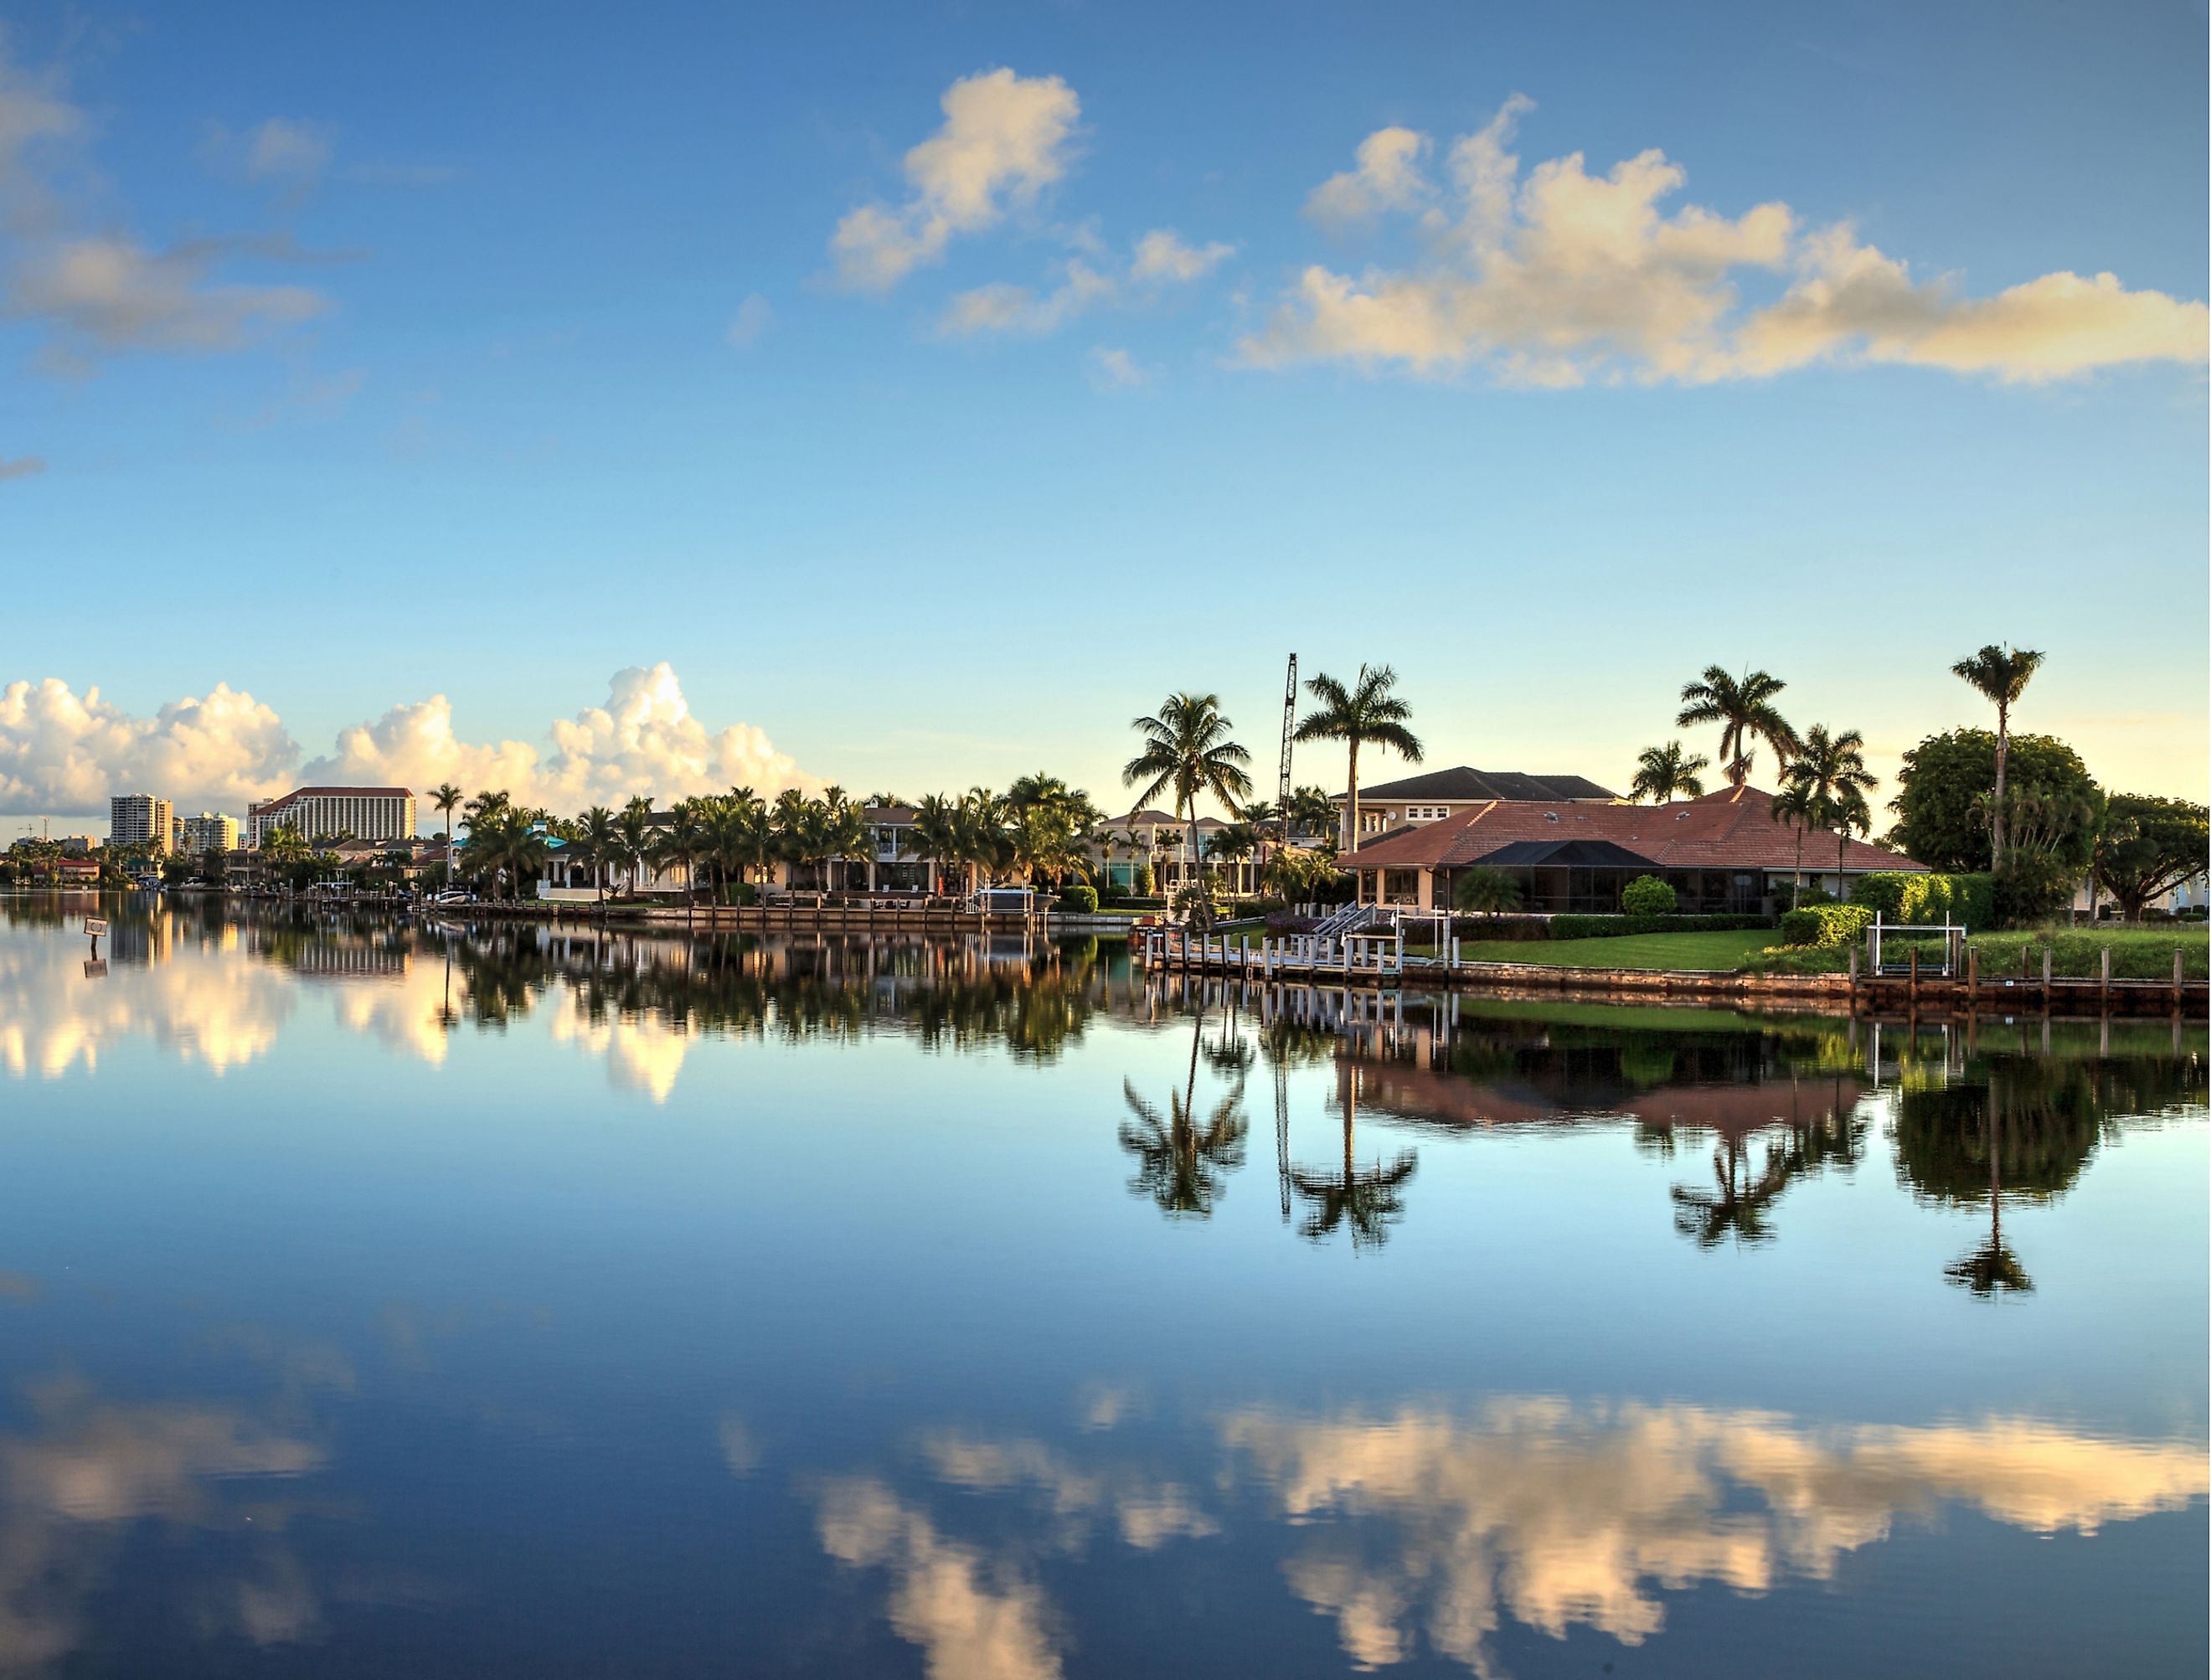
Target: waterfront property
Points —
{"points": [[1124, 849], [140, 819], [209, 831], [1433, 796], [363, 813], [1725, 853]]}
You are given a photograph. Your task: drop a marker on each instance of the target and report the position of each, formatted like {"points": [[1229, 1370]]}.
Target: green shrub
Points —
{"points": [[1143, 881], [1648, 895], [1082, 901], [1905, 896], [1825, 924]]}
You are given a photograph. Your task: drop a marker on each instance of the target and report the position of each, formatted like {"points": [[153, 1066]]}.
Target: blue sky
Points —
{"points": [[487, 358]]}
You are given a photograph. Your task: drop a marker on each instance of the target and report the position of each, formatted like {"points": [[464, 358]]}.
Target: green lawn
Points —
{"points": [[1722, 952]]}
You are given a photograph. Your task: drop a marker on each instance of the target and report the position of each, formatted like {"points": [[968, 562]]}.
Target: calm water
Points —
{"points": [[380, 1302]]}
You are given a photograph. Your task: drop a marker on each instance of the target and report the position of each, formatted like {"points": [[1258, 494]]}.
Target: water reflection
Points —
{"points": [[1428, 1526]]}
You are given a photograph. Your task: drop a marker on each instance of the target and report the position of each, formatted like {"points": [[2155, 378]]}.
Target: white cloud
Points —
{"points": [[1117, 370], [754, 316], [23, 466], [1161, 255], [1387, 178], [106, 291], [1566, 277], [1004, 139], [1160, 258], [63, 753]]}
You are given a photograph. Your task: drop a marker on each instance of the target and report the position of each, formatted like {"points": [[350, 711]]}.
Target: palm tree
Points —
{"points": [[1312, 812], [634, 830], [1485, 892], [599, 838], [1367, 711], [679, 844], [1794, 806], [2000, 676], [1831, 769], [446, 799], [936, 833], [1745, 711], [1187, 747], [1663, 772]]}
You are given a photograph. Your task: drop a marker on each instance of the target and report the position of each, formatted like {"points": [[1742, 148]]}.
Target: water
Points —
{"points": [[376, 1303]]}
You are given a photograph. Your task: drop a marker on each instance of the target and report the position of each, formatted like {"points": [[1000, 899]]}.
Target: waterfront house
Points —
{"points": [[1725, 853], [1435, 795]]}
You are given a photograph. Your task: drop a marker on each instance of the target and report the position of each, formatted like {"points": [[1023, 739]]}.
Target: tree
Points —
{"points": [[1947, 781], [1831, 769], [1999, 675], [1188, 747], [1312, 812], [598, 840], [678, 844], [936, 833], [447, 798], [1794, 808], [215, 866], [1367, 712], [2152, 846], [633, 832], [1663, 772], [1745, 711], [1484, 891]]}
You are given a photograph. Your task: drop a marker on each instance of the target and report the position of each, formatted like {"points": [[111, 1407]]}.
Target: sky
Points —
{"points": [[906, 397]]}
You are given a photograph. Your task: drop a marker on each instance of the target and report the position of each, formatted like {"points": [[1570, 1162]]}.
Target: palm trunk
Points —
{"points": [[1996, 818], [1796, 887], [1351, 801]]}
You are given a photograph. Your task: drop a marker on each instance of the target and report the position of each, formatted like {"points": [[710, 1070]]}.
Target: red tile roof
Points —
{"points": [[1734, 828]]}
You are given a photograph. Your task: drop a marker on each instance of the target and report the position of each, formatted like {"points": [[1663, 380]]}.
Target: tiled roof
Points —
{"points": [[892, 815], [1460, 785], [1734, 828]]}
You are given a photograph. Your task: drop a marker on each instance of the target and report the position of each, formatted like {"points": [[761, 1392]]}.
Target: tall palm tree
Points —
{"points": [[1663, 772], [446, 799], [680, 841], [633, 838], [1794, 806], [2000, 676], [936, 834], [599, 838], [1832, 771], [1187, 747], [1745, 711], [1368, 712]]}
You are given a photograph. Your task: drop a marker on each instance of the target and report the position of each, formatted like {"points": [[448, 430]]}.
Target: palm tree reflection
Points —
{"points": [[1363, 1200], [1182, 1164]]}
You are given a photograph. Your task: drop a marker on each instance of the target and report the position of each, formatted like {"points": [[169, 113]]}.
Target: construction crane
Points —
{"points": [[1289, 727]]}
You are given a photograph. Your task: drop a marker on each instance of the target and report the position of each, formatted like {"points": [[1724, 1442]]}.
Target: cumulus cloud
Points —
{"points": [[99, 292], [62, 752], [1564, 277], [754, 316], [23, 466], [1161, 259], [1004, 140], [1386, 177], [645, 739]]}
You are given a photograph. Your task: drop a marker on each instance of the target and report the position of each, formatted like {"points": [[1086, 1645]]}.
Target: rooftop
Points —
{"points": [[1465, 783]]}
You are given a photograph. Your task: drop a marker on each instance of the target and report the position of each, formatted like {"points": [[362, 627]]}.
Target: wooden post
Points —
{"points": [[2045, 973], [1854, 974], [2104, 990], [1911, 995], [1972, 976], [2176, 973]]}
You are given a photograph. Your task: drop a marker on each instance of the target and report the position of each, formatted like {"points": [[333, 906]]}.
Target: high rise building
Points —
{"points": [[140, 819], [365, 813], [209, 829]]}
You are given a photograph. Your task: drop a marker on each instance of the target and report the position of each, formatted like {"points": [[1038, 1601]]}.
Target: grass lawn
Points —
{"points": [[1722, 952]]}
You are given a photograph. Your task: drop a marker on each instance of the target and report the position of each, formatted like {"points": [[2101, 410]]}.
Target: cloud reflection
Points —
{"points": [[1560, 1516]]}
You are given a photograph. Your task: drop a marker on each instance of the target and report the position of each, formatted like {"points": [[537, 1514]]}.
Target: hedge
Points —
{"points": [[1082, 901], [1648, 895], [1912, 897], [1825, 924]]}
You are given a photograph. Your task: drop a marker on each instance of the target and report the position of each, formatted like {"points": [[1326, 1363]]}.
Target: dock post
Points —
{"points": [[2104, 989], [1972, 977], [2045, 976], [1854, 975], [2176, 973], [1913, 994]]}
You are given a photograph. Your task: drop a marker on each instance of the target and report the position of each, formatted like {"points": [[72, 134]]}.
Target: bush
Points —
{"points": [[1501, 927], [1909, 897], [1143, 882], [1082, 901], [1132, 901], [1647, 896], [1825, 924]]}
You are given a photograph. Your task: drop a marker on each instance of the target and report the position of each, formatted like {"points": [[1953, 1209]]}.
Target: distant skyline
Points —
{"points": [[908, 397]]}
